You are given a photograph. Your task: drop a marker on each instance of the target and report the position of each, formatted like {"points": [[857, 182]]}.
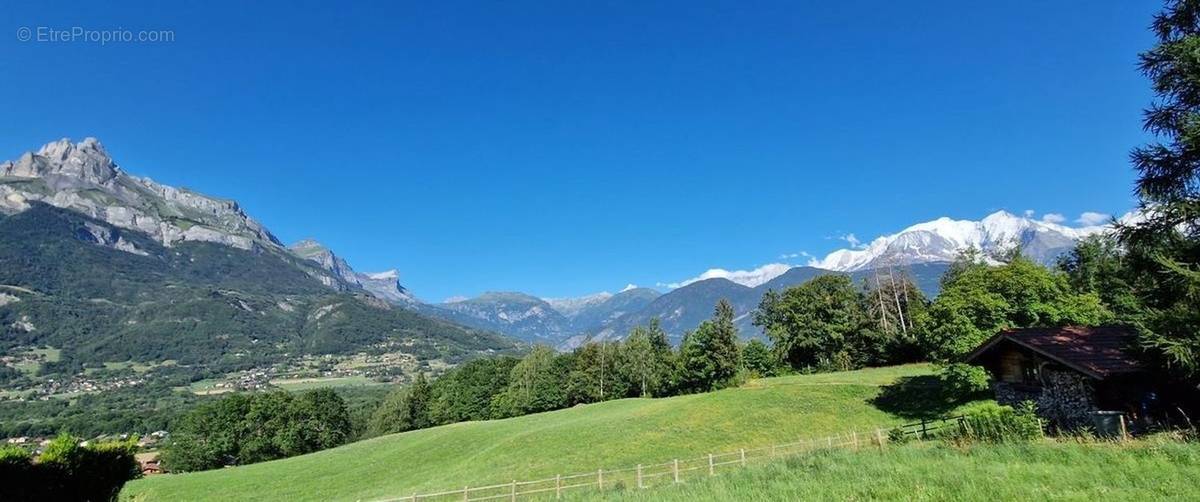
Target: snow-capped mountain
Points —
{"points": [[942, 240]]}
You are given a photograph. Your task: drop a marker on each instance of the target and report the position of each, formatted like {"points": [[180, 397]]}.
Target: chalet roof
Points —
{"points": [[1098, 352]]}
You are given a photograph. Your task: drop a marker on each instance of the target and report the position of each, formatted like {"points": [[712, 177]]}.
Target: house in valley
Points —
{"points": [[1069, 372]]}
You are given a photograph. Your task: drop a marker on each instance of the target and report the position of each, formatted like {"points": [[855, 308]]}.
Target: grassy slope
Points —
{"points": [[1142, 470], [614, 434]]}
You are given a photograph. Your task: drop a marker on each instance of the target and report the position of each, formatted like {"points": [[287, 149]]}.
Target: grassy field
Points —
{"points": [[614, 434], [294, 384], [1139, 470]]}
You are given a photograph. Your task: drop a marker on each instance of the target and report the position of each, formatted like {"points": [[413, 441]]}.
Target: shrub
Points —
{"points": [[964, 381], [897, 435], [68, 471], [994, 423]]}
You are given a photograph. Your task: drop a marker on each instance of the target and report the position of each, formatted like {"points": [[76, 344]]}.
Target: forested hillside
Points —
{"points": [[78, 316]]}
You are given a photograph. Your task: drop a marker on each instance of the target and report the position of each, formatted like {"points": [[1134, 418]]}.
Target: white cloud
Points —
{"points": [[853, 241], [455, 299], [792, 256], [629, 287], [1092, 218], [1053, 218], [744, 277], [1029, 213]]}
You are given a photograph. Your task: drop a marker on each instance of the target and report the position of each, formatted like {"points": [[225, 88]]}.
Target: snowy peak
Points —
{"points": [[943, 239]]}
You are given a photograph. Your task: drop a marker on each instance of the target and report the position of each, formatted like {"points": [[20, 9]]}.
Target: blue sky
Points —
{"points": [[562, 148]]}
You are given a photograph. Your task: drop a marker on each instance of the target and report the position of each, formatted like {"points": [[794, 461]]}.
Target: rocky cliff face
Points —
{"points": [[383, 285], [82, 177]]}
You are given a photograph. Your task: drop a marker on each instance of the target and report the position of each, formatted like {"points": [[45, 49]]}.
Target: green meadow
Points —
{"points": [[608, 435]]}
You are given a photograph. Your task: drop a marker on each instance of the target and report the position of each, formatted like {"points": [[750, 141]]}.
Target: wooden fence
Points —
{"points": [[676, 470]]}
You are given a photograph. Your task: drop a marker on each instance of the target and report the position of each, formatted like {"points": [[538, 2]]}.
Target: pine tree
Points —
{"points": [[709, 355], [1166, 244]]}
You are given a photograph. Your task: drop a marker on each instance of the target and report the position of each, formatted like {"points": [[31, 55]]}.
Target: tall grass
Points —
{"points": [[1055, 470]]}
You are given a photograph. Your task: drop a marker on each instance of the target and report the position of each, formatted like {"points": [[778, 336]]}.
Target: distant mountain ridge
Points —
{"points": [[538, 320]]}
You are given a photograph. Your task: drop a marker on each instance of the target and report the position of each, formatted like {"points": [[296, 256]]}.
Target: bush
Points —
{"points": [[897, 435], [964, 381], [994, 423], [68, 470]]}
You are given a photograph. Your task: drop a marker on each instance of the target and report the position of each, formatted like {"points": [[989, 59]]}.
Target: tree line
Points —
{"points": [[644, 364]]}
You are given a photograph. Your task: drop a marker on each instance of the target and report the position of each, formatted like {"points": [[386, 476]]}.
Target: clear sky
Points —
{"points": [[563, 148]]}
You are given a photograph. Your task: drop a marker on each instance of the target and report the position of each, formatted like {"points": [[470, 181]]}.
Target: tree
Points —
{"points": [[647, 360], [816, 325], [467, 391], [596, 374], [405, 409], [1099, 265], [894, 306], [1166, 242], [709, 357], [319, 420], [759, 360], [248, 428], [980, 300], [535, 384]]}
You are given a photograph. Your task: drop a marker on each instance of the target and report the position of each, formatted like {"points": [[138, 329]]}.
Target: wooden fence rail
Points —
{"points": [[677, 470]]}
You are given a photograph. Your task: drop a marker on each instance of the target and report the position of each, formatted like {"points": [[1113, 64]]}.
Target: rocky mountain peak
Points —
{"points": [[87, 160], [83, 177]]}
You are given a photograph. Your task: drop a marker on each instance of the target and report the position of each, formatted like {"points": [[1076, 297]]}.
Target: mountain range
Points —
{"points": [[943, 239], [106, 267], [122, 213]]}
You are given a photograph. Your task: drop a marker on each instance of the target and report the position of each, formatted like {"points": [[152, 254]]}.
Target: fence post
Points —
{"points": [[414, 497], [1124, 431], [513, 491], [829, 439], [743, 457], [710, 465], [879, 437], [557, 486], [600, 478], [639, 471], [466, 494], [676, 469], [924, 434], [772, 451]]}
